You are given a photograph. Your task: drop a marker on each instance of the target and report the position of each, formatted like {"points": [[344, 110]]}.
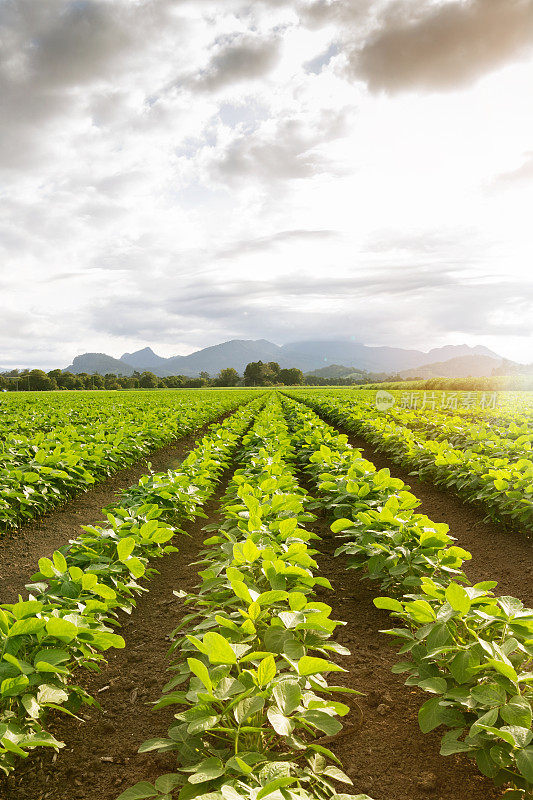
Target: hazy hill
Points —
{"points": [[146, 361], [460, 367], [100, 364], [237, 354], [333, 371], [371, 359], [308, 356]]}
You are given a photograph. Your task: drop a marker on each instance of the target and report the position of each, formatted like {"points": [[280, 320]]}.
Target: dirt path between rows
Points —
{"points": [[382, 750], [385, 754], [100, 757], [499, 552], [21, 549]]}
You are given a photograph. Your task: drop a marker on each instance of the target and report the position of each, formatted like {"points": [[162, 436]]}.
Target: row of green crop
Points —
{"points": [[51, 451], [502, 485], [510, 438], [68, 618], [493, 407], [251, 657], [471, 650]]}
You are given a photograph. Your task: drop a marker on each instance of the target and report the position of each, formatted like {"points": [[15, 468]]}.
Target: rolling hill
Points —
{"points": [[308, 356]]}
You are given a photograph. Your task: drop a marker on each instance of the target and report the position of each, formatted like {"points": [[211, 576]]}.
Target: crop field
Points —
{"points": [[321, 594], [56, 444]]}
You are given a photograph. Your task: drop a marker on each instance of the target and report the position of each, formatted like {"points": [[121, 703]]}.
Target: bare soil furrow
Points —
{"points": [[499, 552], [21, 549], [100, 757], [386, 755]]}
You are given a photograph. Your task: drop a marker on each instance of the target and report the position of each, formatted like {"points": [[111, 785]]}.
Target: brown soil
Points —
{"points": [[100, 756], [382, 748], [21, 549], [385, 754], [498, 552]]}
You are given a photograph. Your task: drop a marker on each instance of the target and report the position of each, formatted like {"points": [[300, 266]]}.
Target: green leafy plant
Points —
{"points": [[252, 657], [68, 618]]}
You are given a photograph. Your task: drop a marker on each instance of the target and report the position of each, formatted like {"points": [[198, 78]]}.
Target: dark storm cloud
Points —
{"points": [[421, 45]]}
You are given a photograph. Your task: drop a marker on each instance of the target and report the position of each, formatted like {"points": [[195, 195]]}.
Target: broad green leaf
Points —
{"points": [[297, 601], [489, 694], [104, 591], [341, 525], [247, 708], [324, 722], [288, 696], [125, 547], [250, 551], [266, 671], [168, 782], [61, 628], [272, 786], [51, 694], [388, 603], [504, 669], [434, 685], [281, 724], [524, 762], [201, 671], [148, 528], [89, 581], [218, 649], [46, 567], [420, 611], [517, 712], [23, 627], [10, 687], [308, 665], [458, 598], [207, 770], [241, 591], [135, 566], [140, 791], [60, 561]]}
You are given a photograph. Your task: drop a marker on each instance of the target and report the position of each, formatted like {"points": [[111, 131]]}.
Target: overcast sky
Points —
{"points": [[176, 173]]}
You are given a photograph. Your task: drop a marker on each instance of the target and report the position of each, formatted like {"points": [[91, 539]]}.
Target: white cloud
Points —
{"points": [[177, 173]]}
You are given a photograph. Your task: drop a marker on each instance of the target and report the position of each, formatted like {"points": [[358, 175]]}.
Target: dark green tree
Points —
{"points": [[228, 377], [149, 381], [39, 381], [254, 374], [291, 376]]}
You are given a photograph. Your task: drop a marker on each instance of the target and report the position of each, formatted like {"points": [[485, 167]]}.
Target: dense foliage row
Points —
{"points": [[512, 381], [251, 657], [471, 650], [53, 446], [69, 616], [504, 485]]}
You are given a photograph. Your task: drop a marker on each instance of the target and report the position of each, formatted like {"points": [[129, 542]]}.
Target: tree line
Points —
{"points": [[256, 373]]}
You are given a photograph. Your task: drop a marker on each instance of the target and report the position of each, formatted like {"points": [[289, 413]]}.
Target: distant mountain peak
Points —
{"points": [[305, 355]]}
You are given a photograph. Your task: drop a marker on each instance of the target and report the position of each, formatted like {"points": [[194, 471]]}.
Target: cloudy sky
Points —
{"points": [[176, 173]]}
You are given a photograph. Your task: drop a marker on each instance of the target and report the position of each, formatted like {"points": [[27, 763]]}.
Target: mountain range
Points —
{"points": [[307, 356]]}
